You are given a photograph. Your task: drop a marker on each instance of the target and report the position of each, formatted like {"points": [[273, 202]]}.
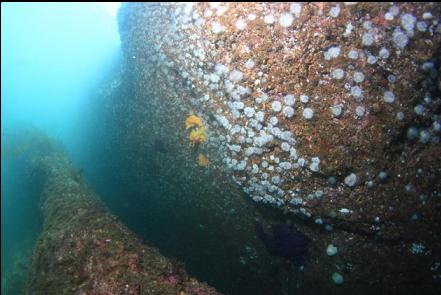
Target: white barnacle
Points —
{"points": [[285, 146], [288, 111], [286, 20], [332, 52], [269, 19], [240, 24], [308, 113], [353, 54], [357, 93], [249, 64], [338, 74], [335, 11], [289, 99], [368, 39], [217, 28], [351, 179], [384, 53], [304, 98], [389, 97], [360, 111], [249, 112], [296, 9], [400, 39], [358, 77], [236, 75], [276, 106], [337, 110]]}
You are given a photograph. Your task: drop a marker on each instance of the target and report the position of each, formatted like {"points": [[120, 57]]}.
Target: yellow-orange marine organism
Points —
{"points": [[203, 160], [193, 121], [197, 133]]}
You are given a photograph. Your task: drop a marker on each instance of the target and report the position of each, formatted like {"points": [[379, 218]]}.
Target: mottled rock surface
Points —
{"points": [[83, 249], [327, 111]]}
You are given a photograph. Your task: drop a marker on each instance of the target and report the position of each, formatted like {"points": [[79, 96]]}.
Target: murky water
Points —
{"points": [[263, 148]]}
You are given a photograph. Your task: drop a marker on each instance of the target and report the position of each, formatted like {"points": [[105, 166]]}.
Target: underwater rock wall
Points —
{"points": [[305, 106], [328, 111], [83, 249]]}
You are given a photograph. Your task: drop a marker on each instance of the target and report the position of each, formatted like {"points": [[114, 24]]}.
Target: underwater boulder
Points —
{"points": [[329, 112], [84, 249]]}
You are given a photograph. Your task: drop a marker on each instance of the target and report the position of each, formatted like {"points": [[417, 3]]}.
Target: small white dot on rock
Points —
{"points": [[240, 24], [276, 106], [308, 113], [351, 179], [389, 97], [286, 20], [269, 19], [331, 250]]}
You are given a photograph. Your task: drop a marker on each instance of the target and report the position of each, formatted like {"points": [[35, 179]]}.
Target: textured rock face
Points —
{"points": [[83, 249], [306, 104], [329, 111]]}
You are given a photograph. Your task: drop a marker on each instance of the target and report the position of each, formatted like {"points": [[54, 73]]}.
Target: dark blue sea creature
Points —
{"points": [[285, 241]]}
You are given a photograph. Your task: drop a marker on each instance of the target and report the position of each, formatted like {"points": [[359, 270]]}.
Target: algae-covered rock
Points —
{"points": [[329, 111], [83, 249], [267, 86]]}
